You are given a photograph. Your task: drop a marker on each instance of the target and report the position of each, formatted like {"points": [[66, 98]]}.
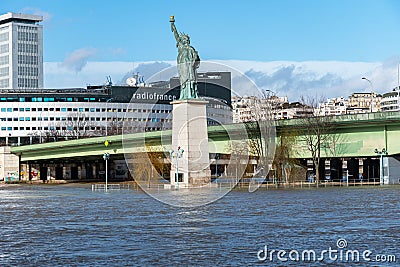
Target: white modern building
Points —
{"points": [[45, 115], [21, 51], [364, 103], [391, 101], [332, 107], [251, 108]]}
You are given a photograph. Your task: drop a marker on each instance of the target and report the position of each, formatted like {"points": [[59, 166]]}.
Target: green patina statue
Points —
{"points": [[188, 61]]}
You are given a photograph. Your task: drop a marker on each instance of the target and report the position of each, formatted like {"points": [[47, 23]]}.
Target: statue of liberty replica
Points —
{"points": [[188, 61], [189, 144]]}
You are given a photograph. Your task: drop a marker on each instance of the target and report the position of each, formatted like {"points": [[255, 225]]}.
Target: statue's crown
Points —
{"points": [[185, 36]]}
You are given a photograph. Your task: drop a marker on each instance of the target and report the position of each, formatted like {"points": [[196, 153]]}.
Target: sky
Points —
{"points": [[294, 41]]}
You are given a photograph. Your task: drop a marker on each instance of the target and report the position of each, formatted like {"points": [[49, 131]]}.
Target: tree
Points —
{"points": [[283, 160], [147, 165], [316, 133], [261, 133], [76, 126], [239, 158]]}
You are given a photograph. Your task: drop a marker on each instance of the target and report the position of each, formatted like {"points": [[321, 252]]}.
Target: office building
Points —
{"points": [[21, 51], [47, 115]]}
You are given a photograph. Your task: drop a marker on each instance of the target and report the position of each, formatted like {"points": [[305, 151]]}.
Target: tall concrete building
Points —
{"points": [[21, 51]]}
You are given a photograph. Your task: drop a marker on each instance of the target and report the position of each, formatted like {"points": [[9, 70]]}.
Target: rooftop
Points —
{"points": [[10, 16]]}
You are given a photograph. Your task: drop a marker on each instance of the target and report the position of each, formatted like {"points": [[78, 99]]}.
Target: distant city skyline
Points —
{"points": [[301, 45]]}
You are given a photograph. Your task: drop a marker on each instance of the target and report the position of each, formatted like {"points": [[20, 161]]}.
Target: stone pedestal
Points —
{"points": [[189, 132]]}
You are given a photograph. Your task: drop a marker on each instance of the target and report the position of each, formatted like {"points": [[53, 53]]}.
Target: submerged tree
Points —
{"points": [[316, 133]]}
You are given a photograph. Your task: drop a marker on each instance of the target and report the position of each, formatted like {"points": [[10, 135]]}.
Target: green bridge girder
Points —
{"points": [[359, 135]]}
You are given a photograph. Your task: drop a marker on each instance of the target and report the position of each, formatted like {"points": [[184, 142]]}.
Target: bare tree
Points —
{"points": [[147, 166], [239, 158], [316, 133], [261, 133], [76, 126]]}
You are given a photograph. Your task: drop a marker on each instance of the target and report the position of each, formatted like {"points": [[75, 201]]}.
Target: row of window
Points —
{"points": [[4, 28], [4, 60], [4, 37], [110, 109], [27, 36], [4, 83], [4, 48], [83, 119], [69, 128], [4, 71], [52, 128], [24, 47], [28, 59], [51, 99], [28, 83], [28, 71]]}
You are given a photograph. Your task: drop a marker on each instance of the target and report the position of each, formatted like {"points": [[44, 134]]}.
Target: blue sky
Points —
{"points": [[293, 47], [349, 30]]}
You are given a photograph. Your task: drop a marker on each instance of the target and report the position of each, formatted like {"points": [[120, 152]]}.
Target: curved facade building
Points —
{"points": [[43, 115]]}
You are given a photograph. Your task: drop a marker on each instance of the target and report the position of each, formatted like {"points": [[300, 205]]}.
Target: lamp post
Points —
{"points": [[216, 164], [381, 153], [370, 83], [106, 157], [178, 155]]}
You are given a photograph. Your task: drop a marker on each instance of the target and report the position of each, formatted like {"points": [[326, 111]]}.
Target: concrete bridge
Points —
{"points": [[354, 153]]}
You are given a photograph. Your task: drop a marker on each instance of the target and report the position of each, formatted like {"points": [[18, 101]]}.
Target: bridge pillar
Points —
{"points": [[336, 169], [371, 169], [353, 169]]}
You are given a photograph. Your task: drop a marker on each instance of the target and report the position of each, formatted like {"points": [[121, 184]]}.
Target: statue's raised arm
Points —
{"points": [[173, 28]]}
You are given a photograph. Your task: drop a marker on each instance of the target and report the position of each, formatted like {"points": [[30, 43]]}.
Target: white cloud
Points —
{"points": [[292, 79], [78, 58]]}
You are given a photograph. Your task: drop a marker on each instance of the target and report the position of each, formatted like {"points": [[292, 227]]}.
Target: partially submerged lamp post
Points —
{"points": [[178, 154], [106, 157], [381, 153]]}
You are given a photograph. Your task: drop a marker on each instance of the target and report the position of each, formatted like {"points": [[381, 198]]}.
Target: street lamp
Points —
{"points": [[106, 157], [217, 156], [370, 83], [381, 153], [178, 154]]}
